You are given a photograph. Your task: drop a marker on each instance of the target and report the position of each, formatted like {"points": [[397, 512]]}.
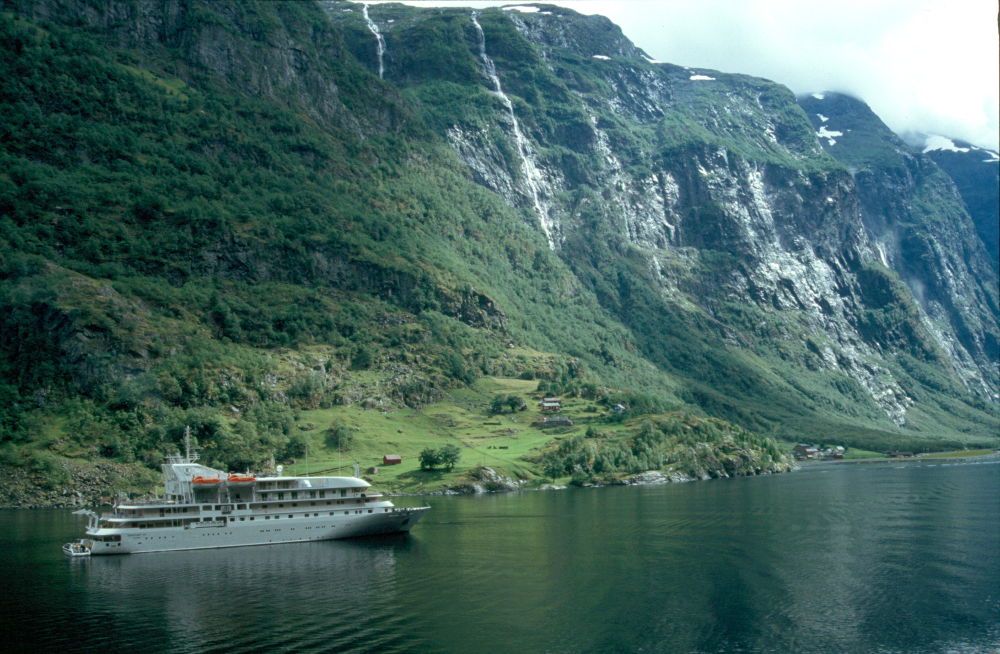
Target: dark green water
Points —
{"points": [[852, 558]]}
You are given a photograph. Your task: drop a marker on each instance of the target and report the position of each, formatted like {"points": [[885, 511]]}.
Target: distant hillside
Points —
{"points": [[976, 173], [217, 214]]}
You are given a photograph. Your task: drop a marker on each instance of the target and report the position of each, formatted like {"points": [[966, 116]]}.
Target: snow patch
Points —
{"points": [[602, 57], [825, 133], [994, 157], [941, 143], [818, 96], [822, 117], [522, 8], [650, 59], [702, 77]]}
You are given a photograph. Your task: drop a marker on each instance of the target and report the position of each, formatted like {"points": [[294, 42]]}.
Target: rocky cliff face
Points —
{"points": [[787, 265], [914, 214], [671, 167], [266, 51], [976, 173]]}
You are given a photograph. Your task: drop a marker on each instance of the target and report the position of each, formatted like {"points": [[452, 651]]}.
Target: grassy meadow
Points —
{"points": [[506, 442]]}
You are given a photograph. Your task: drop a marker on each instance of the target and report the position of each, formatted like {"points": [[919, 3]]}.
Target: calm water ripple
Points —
{"points": [[870, 558]]}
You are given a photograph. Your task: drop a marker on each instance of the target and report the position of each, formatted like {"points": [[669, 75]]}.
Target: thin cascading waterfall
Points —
{"points": [[380, 48], [531, 174], [881, 251]]}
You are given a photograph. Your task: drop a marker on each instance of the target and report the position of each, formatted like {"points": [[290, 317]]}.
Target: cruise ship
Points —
{"points": [[204, 508]]}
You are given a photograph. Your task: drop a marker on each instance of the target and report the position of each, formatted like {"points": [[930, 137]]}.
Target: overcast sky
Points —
{"points": [[923, 65]]}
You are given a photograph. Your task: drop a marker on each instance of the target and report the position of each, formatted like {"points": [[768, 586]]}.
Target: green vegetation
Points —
{"points": [[296, 273], [502, 402], [675, 442], [447, 456]]}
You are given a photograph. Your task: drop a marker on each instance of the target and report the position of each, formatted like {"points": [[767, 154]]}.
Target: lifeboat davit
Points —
{"points": [[206, 480]]}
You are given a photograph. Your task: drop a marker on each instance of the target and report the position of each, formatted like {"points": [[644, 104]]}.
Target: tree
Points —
{"points": [[362, 359], [429, 458], [498, 403], [339, 436], [449, 455], [296, 447], [514, 402]]}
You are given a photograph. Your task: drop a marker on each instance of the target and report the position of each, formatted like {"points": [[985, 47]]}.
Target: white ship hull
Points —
{"points": [[235, 533], [204, 508]]}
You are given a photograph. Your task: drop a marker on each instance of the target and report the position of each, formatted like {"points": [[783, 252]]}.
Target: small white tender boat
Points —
{"points": [[79, 548]]}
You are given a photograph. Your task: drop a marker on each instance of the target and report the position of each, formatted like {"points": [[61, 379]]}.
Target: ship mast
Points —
{"points": [[189, 458]]}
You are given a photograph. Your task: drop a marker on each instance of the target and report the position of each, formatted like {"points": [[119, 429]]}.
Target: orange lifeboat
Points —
{"points": [[241, 479], [206, 480]]}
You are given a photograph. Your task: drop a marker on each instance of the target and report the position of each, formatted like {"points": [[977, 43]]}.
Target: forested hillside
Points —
{"points": [[217, 214]]}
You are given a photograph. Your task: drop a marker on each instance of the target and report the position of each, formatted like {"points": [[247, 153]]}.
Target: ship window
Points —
{"points": [[291, 516], [322, 494], [312, 493], [281, 496], [242, 519], [331, 512], [267, 517], [241, 506], [369, 510], [263, 496], [281, 506], [343, 492], [295, 495], [251, 518]]}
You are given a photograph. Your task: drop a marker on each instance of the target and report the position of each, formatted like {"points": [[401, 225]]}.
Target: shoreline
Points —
{"points": [[64, 498], [913, 459]]}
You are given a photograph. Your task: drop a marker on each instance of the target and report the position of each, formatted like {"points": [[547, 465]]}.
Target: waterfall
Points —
{"points": [[881, 251], [531, 174], [373, 28]]}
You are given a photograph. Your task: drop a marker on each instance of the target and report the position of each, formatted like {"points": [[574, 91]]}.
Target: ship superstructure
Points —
{"points": [[206, 508]]}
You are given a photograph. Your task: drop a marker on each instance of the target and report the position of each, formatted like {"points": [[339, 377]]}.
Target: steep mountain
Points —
{"points": [[976, 173], [211, 212], [700, 208], [915, 215]]}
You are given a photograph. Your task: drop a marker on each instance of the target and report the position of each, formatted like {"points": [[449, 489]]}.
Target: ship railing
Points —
{"points": [[148, 502], [406, 509], [142, 516]]}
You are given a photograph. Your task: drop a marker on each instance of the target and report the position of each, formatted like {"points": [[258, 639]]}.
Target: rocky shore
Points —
{"points": [[487, 480], [85, 483]]}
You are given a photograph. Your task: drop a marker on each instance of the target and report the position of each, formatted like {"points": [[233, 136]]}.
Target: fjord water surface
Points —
{"points": [[847, 558]]}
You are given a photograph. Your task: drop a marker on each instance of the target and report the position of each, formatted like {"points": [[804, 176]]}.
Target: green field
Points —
{"points": [[463, 419]]}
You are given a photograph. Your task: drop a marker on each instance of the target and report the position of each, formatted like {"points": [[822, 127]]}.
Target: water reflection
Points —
{"points": [[863, 559]]}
